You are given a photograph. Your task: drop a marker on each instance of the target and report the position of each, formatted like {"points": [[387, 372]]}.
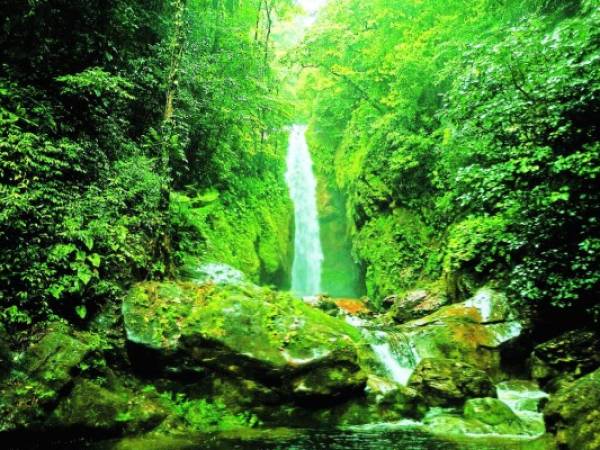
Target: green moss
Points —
{"points": [[245, 329], [396, 249], [251, 233]]}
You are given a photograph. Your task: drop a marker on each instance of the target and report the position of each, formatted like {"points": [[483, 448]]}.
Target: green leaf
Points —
{"points": [[84, 274], [88, 241], [95, 259], [56, 290], [81, 311]]}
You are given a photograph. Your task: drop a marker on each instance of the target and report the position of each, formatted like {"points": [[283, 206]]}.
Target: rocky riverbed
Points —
{"points": [[204, 355]]}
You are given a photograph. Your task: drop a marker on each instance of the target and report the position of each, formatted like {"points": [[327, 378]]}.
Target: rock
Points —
{"points": [[47, 368], [393, 401], [218, 273], [245, 332], [573, 413], [454, 424], [54, 358], [352, 306], [448, 382], [495, 414], [565, 358], [391, 404], [91, 408], [483, 416], [521, 395], [415, 304], [473, 331]]}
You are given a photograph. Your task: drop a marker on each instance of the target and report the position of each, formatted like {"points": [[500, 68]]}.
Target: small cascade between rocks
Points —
{"points": [[302, 185], [394, 353]]}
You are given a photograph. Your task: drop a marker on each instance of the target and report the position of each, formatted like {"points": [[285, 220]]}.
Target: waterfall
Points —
{"points": [[308, 254]]}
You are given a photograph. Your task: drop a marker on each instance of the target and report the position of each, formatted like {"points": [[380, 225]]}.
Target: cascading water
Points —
{"points": [[308, 254]]}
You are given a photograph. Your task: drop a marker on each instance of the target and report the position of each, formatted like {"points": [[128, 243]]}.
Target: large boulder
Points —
{"points": [[35, 385], [565, 358], [449, 382], [92, 408], [218, 273], [415, 304], [473, 331], [242, 331], [495, 414], [481, 416], [573, 413]]}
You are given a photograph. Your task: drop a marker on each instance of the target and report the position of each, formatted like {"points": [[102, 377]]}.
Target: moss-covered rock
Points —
{"points": [[472, 331], [495, 414], [34, 386], [243, 331], [449, 382], [573, 413], [54, 358], [91, 408], [415, 304], [565, 358], [194, 270]]}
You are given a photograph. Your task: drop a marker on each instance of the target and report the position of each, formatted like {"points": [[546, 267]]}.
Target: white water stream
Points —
{"points": [[302, 184]]}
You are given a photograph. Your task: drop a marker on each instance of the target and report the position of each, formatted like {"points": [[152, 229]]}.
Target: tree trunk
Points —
{"points": [[177, 49]]}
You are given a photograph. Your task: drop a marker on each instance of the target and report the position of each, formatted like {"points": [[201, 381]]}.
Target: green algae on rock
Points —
{"points": [[90, 406], [565, 358], [573, 413], [46, 368], [244, 331], [494, 413], [472, 331], [449, 382]]}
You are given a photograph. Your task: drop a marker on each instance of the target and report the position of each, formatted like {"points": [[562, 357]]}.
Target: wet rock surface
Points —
{"points": [[38, 380], [473, 331], [565, 358], [573, 413], [449, 382], [246, 332], [105, 410], [415, 304]]}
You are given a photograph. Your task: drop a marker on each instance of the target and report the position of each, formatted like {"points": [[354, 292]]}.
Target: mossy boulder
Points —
{"points": [[483, 416], [495, 414], [242, 331], [449, 382], [573, 413], [415, 304], [54, 359], [565, 358], [36, 382], [218, 273], [92, 408], [473, 331]]}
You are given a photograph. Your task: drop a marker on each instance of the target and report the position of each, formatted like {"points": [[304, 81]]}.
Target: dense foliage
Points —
{"points": [[464, 135], [106, 109]]}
